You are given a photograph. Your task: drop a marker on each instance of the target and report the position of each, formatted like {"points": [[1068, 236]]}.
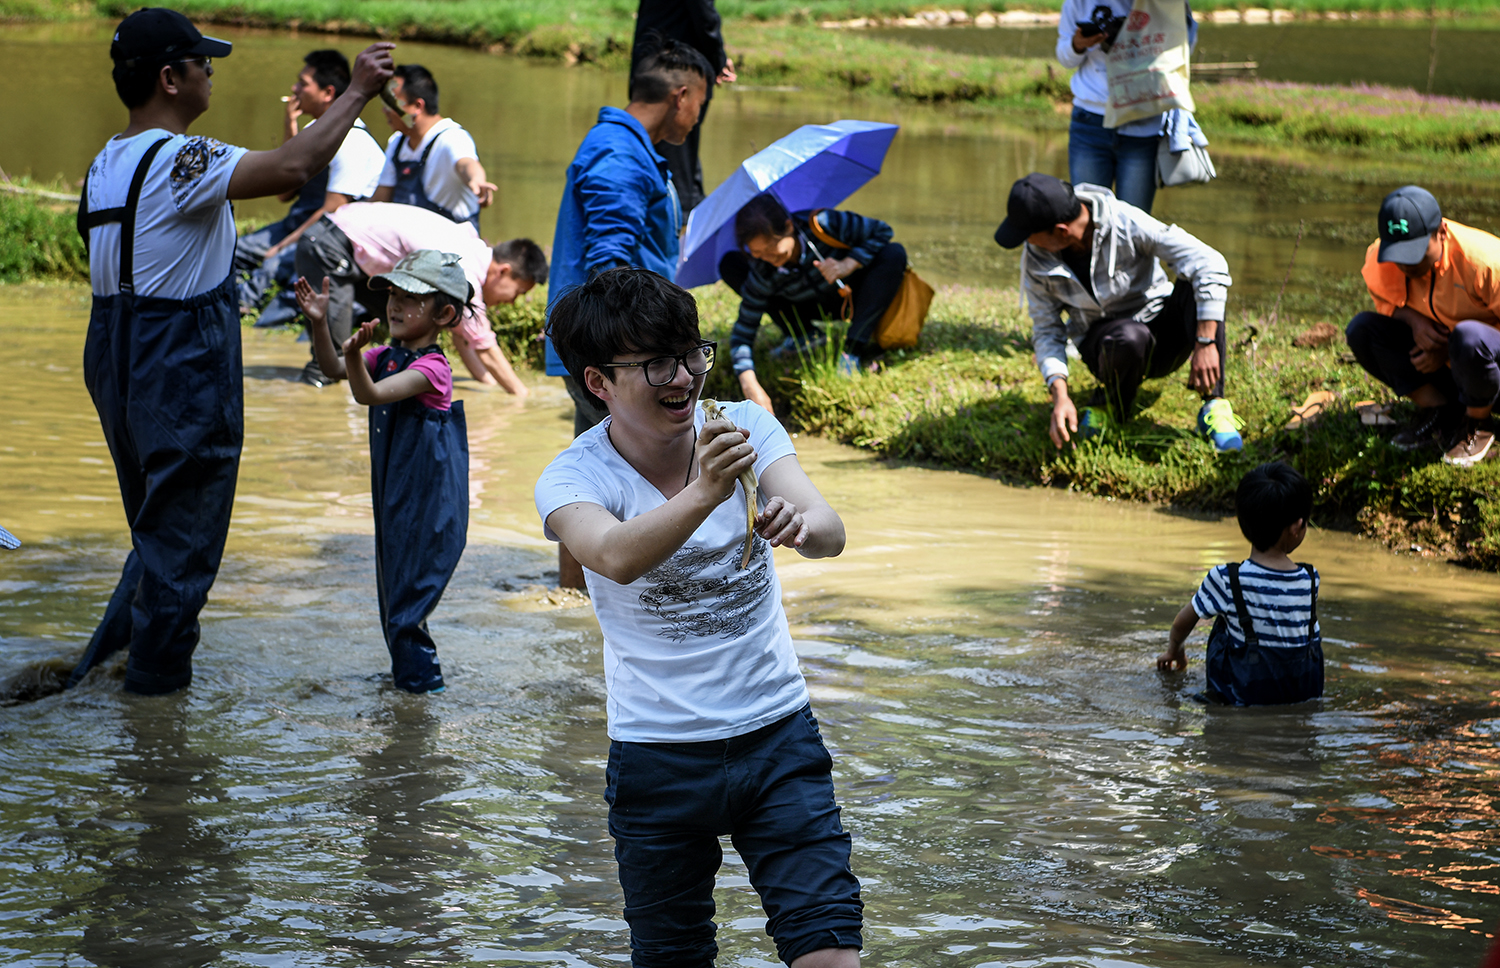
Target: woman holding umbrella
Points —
{"points": [[804, 267]]}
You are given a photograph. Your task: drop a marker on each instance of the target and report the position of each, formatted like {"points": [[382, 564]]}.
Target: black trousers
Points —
{"points": [[1124, 353], [1383, 345], [874, 286], [324, 251]]}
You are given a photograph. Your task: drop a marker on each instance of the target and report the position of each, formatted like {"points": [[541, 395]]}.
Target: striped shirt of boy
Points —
{"points": [[1279, 603]]}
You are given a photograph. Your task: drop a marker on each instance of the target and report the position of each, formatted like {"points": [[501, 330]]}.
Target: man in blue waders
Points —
{"points": [[431, 161], [162, 356]]}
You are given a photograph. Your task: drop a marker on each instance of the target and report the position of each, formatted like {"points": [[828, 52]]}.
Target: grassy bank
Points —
{"points": [[971, 399]]}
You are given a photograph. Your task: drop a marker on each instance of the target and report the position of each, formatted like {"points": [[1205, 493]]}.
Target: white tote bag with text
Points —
{"points": [[1148, 63]]}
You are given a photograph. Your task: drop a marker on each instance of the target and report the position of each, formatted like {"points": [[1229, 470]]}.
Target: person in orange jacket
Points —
{"points": [[1434, 336]]}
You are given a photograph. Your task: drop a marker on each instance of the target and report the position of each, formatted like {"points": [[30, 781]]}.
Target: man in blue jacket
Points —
{"points": [[619, 207]]}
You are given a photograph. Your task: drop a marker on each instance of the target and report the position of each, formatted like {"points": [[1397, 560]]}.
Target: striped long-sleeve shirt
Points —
{"points": [[1279, 603], [799, 281]]}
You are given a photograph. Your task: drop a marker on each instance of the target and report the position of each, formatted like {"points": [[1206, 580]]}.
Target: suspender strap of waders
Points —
{"points": [[1246, 626], [1312, 580], [124, 214]]}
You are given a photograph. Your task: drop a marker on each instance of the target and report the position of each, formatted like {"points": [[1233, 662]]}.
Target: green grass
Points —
{"points": [[39, 237], [970, 398]]}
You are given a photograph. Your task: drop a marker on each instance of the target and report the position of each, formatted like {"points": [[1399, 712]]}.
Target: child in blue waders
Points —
{"points": [[419, 447], [1265, 648]]}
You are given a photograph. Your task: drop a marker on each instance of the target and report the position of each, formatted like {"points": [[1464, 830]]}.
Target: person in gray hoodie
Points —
{"points": [[1096, 258]]}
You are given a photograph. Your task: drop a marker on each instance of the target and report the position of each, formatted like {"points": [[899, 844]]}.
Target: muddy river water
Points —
{"points": [[1022, 787]]}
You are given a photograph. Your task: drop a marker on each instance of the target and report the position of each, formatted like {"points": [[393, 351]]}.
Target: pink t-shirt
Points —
{"points": [[382, 233], [434, 366]]}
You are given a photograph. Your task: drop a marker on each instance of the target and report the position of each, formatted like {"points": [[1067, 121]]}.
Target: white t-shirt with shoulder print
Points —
{"points": [[696, 649], [184, 228]]}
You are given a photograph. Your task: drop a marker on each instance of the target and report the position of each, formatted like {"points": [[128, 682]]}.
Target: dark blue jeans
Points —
{"points": [[1101, 156], [771, 791]]}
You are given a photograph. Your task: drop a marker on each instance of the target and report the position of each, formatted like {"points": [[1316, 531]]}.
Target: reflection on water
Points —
{"points": [[943, 187], [1023, 788], [1392, 53]]}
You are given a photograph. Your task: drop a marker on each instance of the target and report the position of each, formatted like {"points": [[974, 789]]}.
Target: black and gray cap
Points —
{"points": [[1408, 217], [1037, 203], [153, 36]]}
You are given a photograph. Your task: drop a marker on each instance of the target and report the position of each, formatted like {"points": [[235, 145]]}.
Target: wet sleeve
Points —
{"points": [[200, 172], [435, 367], [1213, 596], [566, 481], [767, 435]]}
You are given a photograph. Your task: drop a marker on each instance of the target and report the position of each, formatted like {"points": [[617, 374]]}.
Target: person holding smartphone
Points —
{"points": [[1122, 158]]}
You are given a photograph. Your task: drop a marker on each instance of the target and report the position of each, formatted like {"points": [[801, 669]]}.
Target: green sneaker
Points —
{"points": [[1216, 420], [1093, 422]]}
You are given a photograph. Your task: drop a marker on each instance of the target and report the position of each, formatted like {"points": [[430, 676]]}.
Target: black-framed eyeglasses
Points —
{"points": [[661, 370]]}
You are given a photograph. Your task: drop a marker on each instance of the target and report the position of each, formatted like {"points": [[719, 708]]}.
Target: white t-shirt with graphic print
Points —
{"points": [[696, 649], [184, 228]]}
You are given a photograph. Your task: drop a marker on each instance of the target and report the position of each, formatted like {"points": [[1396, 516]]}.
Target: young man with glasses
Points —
{"points": [[162, 355], [710, 726]]}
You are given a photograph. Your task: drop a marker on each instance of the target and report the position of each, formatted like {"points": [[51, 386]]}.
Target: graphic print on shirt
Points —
{"points": [[191, 164], [698, 593]]}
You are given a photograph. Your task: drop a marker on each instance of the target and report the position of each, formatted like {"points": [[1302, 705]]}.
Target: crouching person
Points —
{"points": [[1095, 257], [1434, 336], [802, 267], [710, 727]]}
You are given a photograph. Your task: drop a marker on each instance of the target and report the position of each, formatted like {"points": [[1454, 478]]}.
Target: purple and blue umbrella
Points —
{"points": [[9, 541], [816, 166]]}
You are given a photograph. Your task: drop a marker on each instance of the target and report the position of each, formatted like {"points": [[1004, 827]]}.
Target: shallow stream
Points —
{"points": [[1022, 787]]}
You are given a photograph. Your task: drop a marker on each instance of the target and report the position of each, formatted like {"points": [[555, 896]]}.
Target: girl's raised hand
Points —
{"points": [[361, 337], [314, 305]]}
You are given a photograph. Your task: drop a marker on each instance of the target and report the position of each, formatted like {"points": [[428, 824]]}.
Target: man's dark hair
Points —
{"points": [[762, 215], [666, 67], [418, 82], [329, 69], [525, 258], [621, 311], [136, 85], [1269, 498]]}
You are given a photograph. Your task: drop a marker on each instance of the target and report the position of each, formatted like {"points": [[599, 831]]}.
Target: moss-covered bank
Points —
{"points": [[970, 398]]}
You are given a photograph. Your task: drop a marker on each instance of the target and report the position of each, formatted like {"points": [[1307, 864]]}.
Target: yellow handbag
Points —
{"points": [[901, 324]]}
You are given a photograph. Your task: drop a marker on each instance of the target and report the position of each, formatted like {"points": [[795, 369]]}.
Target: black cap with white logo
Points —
{"points": [[155, 35], [1037, 203], [1408, 217]]}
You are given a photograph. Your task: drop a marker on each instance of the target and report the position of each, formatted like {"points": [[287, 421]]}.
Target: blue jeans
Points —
{"points": [[771, 790], [1101, 156]]}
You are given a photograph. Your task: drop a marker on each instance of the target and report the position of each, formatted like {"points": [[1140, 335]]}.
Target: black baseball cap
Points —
{"points": [[1037, 203], [155, 35], [1408, 217]]}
